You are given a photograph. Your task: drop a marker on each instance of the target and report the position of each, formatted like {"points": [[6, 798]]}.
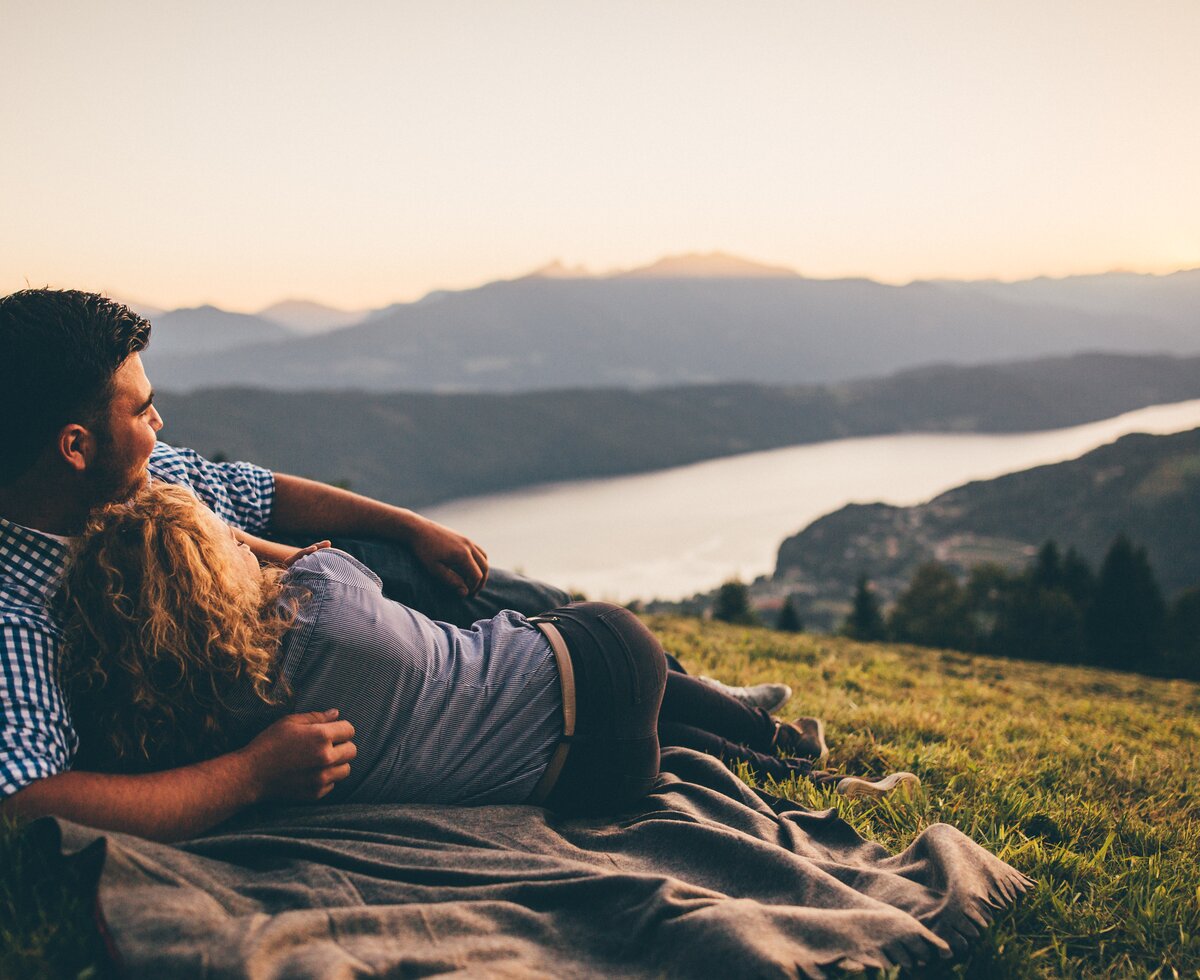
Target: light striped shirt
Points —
{"points": [[441, 714], [36, 735]]}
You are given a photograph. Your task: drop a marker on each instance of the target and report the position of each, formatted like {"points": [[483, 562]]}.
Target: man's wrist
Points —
{"points": [[242, 776], [405, 526]]}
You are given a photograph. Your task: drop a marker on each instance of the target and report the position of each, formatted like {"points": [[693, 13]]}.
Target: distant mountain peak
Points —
{"points": [[308, 317], [297, 305], [557, 270], [709, 265]]}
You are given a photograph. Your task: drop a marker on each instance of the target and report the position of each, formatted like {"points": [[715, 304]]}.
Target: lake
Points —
{"points": [[675, 532]]}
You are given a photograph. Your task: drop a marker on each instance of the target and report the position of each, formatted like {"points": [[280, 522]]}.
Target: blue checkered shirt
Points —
{"points": [[36, 735]]}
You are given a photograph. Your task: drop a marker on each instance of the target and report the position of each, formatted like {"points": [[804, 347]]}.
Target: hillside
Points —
{"points": [[1145, 486], [661, 327], [424, 448]]}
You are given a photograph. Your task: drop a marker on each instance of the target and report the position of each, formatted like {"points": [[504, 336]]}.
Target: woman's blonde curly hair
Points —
{"points": [[161, 625]]}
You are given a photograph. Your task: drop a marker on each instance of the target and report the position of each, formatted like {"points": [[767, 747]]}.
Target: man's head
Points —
{"points": [[69, 375]]}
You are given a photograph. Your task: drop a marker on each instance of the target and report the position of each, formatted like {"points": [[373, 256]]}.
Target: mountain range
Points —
{"points": [[683, 320]]}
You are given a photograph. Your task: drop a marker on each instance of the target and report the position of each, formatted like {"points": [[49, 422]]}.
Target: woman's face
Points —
{"points": [[239, 555]]}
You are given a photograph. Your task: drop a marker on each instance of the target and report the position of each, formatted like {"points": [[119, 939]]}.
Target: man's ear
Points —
{"points": [[77, 446]]}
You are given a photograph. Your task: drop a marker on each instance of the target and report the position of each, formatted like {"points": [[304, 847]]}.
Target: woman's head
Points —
{"points": [[166, 613]]}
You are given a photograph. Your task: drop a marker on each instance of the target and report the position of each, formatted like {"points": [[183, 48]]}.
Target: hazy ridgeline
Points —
{"points": [[426, 448], [665, 326]]}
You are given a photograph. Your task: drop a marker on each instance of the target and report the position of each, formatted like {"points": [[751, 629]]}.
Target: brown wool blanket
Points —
{"points": [[706, 878]]}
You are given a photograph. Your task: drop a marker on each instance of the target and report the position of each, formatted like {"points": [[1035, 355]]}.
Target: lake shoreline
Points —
{"points": [[672, 533]]}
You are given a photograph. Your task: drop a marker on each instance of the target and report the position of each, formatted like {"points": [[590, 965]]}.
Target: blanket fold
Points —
{"points": [[705, 877]]}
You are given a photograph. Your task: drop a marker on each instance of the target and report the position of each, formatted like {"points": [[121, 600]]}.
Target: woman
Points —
{"points": [[181, 647]]}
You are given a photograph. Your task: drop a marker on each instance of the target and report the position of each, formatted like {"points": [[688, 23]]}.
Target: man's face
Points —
{"points": [[133, 423]]}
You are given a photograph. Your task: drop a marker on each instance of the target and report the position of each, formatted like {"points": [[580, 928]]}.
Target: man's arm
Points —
{"points": [[299, 758], [319, 510]]}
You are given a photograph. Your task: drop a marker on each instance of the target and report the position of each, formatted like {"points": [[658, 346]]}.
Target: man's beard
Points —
{"points": [[108, 480]]}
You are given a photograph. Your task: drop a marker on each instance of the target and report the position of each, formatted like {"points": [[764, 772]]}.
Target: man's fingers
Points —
{"points": [[336, 732], [471, 571], [452, 578], [335, 774], [337, 755], [481, 560], [317, 717]]}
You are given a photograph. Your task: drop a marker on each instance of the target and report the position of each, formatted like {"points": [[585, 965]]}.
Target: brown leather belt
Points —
{"points": [[566, 677]]}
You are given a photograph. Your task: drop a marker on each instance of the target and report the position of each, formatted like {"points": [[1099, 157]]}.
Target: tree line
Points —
{"points": [[1056, 609]]}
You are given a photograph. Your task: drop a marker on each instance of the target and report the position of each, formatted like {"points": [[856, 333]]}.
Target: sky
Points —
{"points": [[361, 153]]}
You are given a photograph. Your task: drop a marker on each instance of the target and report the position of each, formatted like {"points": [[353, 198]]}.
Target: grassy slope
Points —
{"points": [[1083, 779]]}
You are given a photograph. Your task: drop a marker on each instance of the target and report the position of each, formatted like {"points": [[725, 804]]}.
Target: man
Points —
{"points": [[78, 428]]}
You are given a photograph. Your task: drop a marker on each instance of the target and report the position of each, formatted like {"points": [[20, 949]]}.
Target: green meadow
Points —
{"points": [[1083, 779]]}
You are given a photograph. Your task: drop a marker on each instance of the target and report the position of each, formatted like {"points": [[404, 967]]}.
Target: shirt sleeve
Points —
{"points": [[241, 494], [330, 563], [36, 737]]}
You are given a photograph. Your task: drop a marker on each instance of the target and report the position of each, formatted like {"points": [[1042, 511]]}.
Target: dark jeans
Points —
{"points": [[628, 705], [697, 716], [406, 580], [620, 672]]}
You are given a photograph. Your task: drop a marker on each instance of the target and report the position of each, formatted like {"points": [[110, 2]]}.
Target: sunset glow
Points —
{"points": [[242, 153]]}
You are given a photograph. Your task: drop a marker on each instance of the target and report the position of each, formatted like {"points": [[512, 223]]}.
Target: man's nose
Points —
{"points": [[156, 421]]}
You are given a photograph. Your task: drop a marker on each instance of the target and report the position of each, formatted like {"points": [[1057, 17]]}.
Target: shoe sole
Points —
{"points": [[823, 756], [853, 786]]}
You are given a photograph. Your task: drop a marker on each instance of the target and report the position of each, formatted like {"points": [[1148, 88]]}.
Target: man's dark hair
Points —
{"points": [[59, 350]]}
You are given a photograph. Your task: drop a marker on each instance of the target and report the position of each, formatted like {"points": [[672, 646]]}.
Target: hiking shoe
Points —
{"points": [[851, 786], [769, 697], [804, 737]]}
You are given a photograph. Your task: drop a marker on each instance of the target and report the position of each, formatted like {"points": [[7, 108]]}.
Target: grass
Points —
{"points": [[1081, 778], [46, 924]]}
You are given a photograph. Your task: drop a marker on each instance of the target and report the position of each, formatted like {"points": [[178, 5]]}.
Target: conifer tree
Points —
{"points": [[865, 621], [789, 620], [1039, 617], [1077, 579], [1183, 635], [1127, 618], [732, 604], [1047, 571], [933, 610], [1040, 624], [988, 595]]}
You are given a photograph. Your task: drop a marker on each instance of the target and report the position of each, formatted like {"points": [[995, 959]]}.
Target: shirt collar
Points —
{"points": [[31, 558]]}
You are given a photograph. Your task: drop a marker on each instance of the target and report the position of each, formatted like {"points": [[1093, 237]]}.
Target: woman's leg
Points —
{"points": [[763, 763], [689, 701]]}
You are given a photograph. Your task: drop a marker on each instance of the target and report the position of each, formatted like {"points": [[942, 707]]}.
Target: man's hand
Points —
{"points": [[300, 757], [295, 556], [307, 507], [456, 560]]}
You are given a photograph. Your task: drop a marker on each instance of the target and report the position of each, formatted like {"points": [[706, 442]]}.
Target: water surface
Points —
{"points": [[674, 532]]}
